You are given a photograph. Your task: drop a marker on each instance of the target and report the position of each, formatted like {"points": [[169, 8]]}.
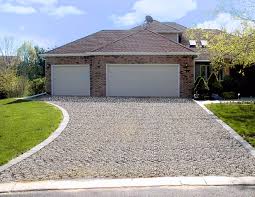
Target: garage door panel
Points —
{"points": [[72, 80], [143, 80]]}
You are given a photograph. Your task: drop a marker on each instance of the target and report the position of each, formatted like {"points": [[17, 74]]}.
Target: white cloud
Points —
{"points": [[164, 10], [17, 9], [222, 21], [19, 38], [50, 7], [62, 11], [42, 2]]}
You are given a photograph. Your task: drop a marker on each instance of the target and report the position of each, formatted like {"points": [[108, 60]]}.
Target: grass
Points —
{"points": [[24, 124], [240, 117]]}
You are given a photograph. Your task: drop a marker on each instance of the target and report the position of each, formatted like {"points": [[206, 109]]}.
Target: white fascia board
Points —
{"points": [[118, 53], [202, 60]]}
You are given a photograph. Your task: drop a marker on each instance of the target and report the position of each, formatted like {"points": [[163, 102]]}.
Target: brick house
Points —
{"points": [[151, 60]]}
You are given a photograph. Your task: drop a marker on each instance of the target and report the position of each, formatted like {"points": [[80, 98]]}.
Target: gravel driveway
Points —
{"points": [[128, 137]]}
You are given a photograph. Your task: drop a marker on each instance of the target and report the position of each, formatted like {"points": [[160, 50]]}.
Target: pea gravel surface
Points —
{"points": [[135, 137]]}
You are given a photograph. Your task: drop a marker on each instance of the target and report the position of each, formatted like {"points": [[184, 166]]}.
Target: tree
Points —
{"points": [[214, 85], [40, 61], [32, 64], [197, 80], [8, 55], [242, 9], [225, 49], [201, 89], [10, 84]]}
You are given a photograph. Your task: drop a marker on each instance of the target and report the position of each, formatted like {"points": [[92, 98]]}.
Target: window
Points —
{"points": [[221, 75], [192, 43], [204, 43], [205, 71]]}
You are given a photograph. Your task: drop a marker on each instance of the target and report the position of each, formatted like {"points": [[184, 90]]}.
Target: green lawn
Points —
{"points": [[241, 117], [24, 124]]}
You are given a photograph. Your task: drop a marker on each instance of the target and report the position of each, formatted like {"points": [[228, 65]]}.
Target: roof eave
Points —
{"points": [[119, 53]]}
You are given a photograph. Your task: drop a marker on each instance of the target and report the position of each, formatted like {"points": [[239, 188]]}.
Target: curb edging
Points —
{"points": [[123, 183], [44, 143], [231, 131], [33, 96]]}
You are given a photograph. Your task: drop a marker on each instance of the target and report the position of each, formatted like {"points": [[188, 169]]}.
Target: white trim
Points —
{"points": [[62, 65], [127, 183], [51, 80], [206, 77], [202, 60], [178, 67], [106, 78], [194, 73], [118, 53]]}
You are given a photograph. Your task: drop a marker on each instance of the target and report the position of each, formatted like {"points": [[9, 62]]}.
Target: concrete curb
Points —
{"points": [[119, 183], [231, 131], [38, 147], [34, 96]]}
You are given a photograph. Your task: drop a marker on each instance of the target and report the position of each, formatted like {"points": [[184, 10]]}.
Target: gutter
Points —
{"points": [[120, 53]]}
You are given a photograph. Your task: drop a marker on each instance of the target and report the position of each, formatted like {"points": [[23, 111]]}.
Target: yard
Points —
{"points": [[24, 124], [241, 117]]}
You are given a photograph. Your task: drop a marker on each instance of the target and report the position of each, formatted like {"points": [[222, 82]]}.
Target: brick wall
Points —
{"points": [[98, 69]]}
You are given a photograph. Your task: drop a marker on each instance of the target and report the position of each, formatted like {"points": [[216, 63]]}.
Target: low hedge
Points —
{"points": [[229, 95], [37, 86]]}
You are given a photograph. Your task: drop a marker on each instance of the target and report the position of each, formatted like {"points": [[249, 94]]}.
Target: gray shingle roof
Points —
{"points": [[91, 42], [144, 41], [138, 39], [175, 25], [122, 41], [158, 27]]}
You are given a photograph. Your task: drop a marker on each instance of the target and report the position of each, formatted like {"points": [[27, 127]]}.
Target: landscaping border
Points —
{"points": [[38, 147], [231, 131], [33, 96], [120, 183]]}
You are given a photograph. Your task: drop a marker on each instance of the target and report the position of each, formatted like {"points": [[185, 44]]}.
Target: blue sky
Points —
{"points": [[50, 23]]}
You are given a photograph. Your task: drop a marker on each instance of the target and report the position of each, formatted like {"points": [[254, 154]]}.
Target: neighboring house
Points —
{"points": [[154, 59]]}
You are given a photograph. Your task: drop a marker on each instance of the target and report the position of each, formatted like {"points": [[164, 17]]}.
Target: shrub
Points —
{"points": [[214, 85], [229, 84], [229, 95], [37, 86], [195, 84], [11, 85], [197, 80], [202, 89]]}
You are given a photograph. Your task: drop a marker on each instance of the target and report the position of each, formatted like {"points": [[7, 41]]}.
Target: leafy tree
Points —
{"points": [[32, 64], [40, 61], [8, 57], [228, 50], [9, 83], [242, 9]]}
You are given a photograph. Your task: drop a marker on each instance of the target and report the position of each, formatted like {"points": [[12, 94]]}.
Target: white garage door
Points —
{"points": [[142, 80], [71, 80]]}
